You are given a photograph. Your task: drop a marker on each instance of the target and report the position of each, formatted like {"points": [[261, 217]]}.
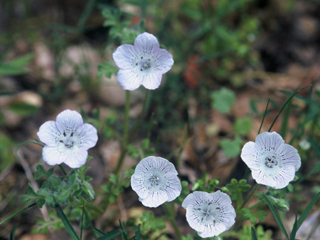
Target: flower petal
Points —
{"points": [[146, 42], [128, 80], [88, 135], [68, 121], [138, 186], [164, 60], [289, 155], [268, 141], [77, 159], [48, 133], [173, 187], [52, 156], [155, 199], [193, 219], [124, 56], [277, 181], [249, 155], [195, 197], [164, 165], [152, 81]]}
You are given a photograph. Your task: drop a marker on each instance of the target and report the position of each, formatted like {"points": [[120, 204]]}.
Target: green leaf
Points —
{"points": [[253, 234], [41, 172], [23, 109], [294, 229], [276, 215], [66, 223], [307, 211], [13, 230], [223, 100], [30, 196], [111, 235], [231, 148], [284, 105], [99, 232], [242, 126], [106, 69], [88, 190], [16, 66]]}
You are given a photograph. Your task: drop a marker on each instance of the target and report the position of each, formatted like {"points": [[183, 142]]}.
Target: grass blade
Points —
{"points": [[253, 234], [97, 231], [294, 229], [285, 121], [12, 232], [264, 115], [285, 104], [307, 210], [86, 13], [276, 216], [66, 223], [32, 205], [111, 235]]}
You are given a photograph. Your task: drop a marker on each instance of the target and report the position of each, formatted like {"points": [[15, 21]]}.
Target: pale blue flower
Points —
{"points": [[272, 162], [155, 181], [142, 63], [67, 139], [209, 214]]}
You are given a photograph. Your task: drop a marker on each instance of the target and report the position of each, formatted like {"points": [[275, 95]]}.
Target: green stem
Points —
{"points": [[124, 142], [264, 115], [249, 196], [30, 206], [170, 211], [135, 128], [81, 223], [63, 170], [289, 99]]}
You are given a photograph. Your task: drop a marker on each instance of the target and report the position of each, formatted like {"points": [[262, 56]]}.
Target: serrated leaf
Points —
{"points": [[223, 100], [231, 148], [242, 126]]}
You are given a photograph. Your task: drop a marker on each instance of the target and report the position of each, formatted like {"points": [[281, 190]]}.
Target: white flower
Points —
{"points": [[67, 139], [272, 162], [209, 214], [155, 181], [304, 144], [143, 63]]}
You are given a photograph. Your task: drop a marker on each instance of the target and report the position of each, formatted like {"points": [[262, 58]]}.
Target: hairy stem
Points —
{"points": [[124, 141]]}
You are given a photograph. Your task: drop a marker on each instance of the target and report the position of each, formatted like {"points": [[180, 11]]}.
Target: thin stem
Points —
{"points": [[170, 211], [30, 206], [126, 118], [81, 223], [135, 128], [286, 105], [264, 115], [63, 170], [249, 195], [124, 141]]}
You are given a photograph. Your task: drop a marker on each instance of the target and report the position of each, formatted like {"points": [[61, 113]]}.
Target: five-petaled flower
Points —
{"points": [[67, 139], [209, 214], [155, 181], [142, 63], [272, 162]]}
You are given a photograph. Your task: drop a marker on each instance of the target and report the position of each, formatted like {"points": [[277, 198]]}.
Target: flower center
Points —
{"points": [[208, 213], [67, 140], [271, 162], [144, 63], [154, 180]]}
